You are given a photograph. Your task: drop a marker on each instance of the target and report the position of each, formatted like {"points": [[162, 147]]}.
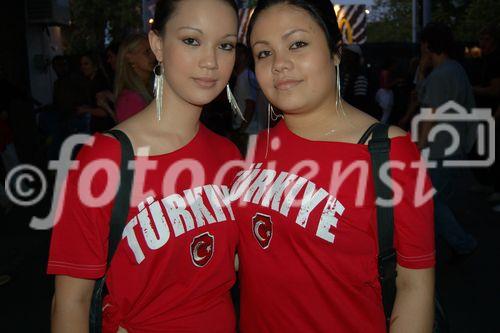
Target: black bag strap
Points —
{"points": [[379, 147], [118, 218], [122, 200], [367, 134]]}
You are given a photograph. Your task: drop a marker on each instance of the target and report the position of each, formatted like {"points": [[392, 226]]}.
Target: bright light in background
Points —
{"points": [[151, 21], [367, 11]]}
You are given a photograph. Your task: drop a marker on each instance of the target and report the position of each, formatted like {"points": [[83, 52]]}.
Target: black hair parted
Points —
{"points": [[165, 8], [320, 10]]}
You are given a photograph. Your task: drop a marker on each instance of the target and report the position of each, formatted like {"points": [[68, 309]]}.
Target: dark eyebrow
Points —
{"points": [[201, 32], [260, 42], [190, 28], [291, 32], [285, 36]]}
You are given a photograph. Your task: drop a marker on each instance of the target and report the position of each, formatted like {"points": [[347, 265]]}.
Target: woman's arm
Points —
{"points": [[414, 306], [71, 304]]}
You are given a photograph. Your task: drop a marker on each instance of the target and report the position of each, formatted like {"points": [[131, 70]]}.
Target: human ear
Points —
{"points": [[156, 44]]}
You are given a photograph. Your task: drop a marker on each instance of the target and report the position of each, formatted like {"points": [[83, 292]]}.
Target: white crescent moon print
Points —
{"points": [[256, 230]]}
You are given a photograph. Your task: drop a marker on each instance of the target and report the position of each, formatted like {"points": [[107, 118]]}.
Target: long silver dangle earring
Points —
{"points": [[158, 89], [232, 101], [271, 114], [269, 107], [338, 102]]}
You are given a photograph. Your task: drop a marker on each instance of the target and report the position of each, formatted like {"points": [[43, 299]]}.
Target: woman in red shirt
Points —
{"points": [[307, 214], [173, 269]]}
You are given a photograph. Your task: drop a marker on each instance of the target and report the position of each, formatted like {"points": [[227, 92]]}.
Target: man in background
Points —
{"points": [[487, 94], [447, 81]]}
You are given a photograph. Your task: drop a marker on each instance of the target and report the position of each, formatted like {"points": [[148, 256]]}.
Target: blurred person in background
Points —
{"points": [[105, 99], [446, 82], [111, 58], [60, 67], [56, 124], [419, 69], [245, 92], [385, 94], [94, 82], [355, 80], [134, 71], [487, 94]]}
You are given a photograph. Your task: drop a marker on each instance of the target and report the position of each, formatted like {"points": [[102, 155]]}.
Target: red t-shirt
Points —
{"points": [[128, 104], [308, 253], [174, 267]]}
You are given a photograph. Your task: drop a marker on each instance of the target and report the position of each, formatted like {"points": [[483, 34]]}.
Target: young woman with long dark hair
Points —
{"points": [[174, 267], [307, 214]]}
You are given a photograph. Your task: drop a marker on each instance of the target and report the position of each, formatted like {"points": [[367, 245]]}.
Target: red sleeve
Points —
{"points": [[79, 241], [413, 218], [127, 104]]}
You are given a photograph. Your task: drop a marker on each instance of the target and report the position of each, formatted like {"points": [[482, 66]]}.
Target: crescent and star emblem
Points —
{"points": [[196, 255], [257, 233], [262, 221], [202, 248]]}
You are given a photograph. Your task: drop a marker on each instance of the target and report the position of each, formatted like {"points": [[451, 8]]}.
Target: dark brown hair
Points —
{"points": [[165, 8], [320, 10]]}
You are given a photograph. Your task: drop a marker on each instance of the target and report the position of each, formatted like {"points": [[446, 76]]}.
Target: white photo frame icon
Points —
{"points": [[485, 130]]}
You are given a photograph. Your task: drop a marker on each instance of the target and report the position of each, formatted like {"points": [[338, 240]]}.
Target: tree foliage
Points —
{"points": [[479, 13], [91, 18], [393, 19]]}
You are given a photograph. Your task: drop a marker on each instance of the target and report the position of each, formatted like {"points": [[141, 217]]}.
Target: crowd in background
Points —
{"points": [[93, 92]]}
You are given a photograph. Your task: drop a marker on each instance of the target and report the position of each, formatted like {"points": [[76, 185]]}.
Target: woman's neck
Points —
{"points": [[318, 123], [177, 117]]}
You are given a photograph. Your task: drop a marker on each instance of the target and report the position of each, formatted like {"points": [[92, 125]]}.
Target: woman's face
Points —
{"points": [[141, 58], [197, 49], [293, 63], [87, 66]]}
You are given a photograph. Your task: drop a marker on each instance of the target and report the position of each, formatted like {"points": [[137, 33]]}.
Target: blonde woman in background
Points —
{"points": [[134, 70]]}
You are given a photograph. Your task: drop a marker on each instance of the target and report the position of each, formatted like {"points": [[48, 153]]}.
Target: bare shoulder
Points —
{"points": [[395, 131], [131, 130], [129, 127], [364, 121]]}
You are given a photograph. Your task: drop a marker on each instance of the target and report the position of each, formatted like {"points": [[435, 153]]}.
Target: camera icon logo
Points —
{"points": [[479, 129]]}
